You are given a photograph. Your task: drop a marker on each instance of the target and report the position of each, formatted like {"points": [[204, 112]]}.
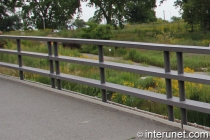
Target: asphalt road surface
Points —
{"points": [[30, 113]]}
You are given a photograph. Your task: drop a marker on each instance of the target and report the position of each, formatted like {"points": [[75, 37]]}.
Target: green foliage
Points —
{"points": [[139, 12], [79, 23], [175, 19], [149, 57], [68, 33], [96, 31], [146, 83], [195, 12], [27, 42], [8, 6], [160, 20], [53, 14], [2, 43], [114, 10], [109, 9], [9, 19], [10, 23], [155, 58], [94, 19], [30, 32]]}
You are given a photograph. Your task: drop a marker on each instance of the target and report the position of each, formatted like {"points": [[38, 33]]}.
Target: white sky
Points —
{"points": [[170, 10]]}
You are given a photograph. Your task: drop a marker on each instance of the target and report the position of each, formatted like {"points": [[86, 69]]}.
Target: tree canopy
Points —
{"points": [[174, 18], [9, 19], [57, 14], [7, 7], [9, 23], [49, 13], [116, 11], [140, 11], [195, 12], [79, 23]]}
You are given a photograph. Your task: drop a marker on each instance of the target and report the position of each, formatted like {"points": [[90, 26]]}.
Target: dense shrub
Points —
{"points": [[2, 43], [96, 31], [71, 45]]}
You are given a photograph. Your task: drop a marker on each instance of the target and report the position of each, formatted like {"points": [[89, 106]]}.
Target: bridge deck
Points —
{"points": [[30, 113]]}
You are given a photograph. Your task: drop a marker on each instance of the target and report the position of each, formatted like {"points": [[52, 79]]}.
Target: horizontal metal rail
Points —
{"points": [[127, 44], [166, 73], [157, 72], [188, 104]]}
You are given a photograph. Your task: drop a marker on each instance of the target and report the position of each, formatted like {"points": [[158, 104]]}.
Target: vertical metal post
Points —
{"points": [[57, 65], [182, 96], [102, 72], [20, 59], [168, 85], [51, 64]]}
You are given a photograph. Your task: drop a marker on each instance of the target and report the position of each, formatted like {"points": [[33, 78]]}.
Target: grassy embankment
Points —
{"points": [[174, 33]]}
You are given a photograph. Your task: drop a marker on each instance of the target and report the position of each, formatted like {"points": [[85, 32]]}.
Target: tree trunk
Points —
{"points": [[108, 20], [192, 28], [209, 25], [109, 15], [204, 26]]}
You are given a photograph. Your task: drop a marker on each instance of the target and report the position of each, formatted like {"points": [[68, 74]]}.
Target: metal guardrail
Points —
{"points": [[166, 73]]}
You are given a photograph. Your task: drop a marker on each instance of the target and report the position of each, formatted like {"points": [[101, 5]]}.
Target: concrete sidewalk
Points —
{"points": [[31, 113]]}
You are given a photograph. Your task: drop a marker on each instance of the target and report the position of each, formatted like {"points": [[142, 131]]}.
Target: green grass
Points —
{"points": [[30, 32], [155, 58]]}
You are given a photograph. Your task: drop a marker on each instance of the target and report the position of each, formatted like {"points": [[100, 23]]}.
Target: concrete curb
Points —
{"points": [[97, 101]]}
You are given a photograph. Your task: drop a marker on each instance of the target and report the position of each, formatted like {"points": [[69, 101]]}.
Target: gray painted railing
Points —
{"points": [[167, 99]]}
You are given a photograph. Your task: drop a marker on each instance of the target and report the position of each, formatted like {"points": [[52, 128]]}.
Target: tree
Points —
{"points": [[79, 23], [10, 23], [9, 19], [7, 7], [114, 10], [94, 19], [96, 31], [140, 11], [49, 13], [108, 9], [174, 18], [195, 12], [189, 14]]}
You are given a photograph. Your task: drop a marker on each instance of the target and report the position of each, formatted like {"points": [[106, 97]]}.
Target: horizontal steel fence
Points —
{"points": [[166, 73]]}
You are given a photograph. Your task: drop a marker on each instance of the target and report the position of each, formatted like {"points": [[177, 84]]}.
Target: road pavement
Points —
{"points": [[31, 113]]}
